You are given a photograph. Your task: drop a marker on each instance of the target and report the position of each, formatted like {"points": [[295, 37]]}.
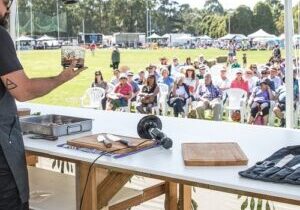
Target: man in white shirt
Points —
{"points": [[223, 83], [175, 67], [273, 77]]}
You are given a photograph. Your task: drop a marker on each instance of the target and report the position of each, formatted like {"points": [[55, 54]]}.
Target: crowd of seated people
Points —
{"points": [[193, 87]]}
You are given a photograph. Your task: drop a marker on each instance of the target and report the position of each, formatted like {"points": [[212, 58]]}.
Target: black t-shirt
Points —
{"points": [[9, 61]]}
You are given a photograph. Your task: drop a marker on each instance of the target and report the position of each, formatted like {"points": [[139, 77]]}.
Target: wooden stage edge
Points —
{"points": [[183, 183]]}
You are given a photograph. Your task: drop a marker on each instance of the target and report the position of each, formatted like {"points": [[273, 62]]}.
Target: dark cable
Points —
{"points": [[93, 163]]}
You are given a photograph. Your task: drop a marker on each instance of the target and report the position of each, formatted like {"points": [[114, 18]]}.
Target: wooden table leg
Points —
{"points": [[171, 196], [185, 197], [97, 175], [31, 160]]}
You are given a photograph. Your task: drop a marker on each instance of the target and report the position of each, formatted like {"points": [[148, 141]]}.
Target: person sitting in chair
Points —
{"points": [[148, 95], [260, 101], [122, 93], [178, 96], [99, 82], [208, 97]]}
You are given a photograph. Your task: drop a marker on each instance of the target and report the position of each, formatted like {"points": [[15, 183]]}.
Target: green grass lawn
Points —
{"points": [[47, 63]]}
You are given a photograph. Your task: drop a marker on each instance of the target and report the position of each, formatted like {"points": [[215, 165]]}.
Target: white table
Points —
{"points": [[256, 141]]}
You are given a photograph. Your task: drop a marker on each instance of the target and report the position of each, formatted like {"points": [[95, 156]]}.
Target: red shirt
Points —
{"points": [[240, 84], [125, 89]]}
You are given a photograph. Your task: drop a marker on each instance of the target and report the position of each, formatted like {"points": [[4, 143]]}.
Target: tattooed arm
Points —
{"points": [[24, 89]]}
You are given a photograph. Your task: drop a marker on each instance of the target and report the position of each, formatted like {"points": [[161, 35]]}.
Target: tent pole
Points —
{"points": [[12, 21], [289, 64]]}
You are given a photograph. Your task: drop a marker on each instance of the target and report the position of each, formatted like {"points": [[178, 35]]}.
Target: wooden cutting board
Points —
{"points": [[91, 142], [213, 154], [23, 112]]}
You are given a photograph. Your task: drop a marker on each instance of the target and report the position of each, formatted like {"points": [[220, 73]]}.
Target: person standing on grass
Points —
{"points": [[15, 85], [115, 58]]}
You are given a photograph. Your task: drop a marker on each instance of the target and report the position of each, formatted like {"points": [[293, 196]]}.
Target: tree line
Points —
{"points": [[166, 16]]}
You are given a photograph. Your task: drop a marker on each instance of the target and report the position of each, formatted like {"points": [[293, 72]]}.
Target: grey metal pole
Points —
{"points": [[12, 21], [57, 13], [288, 18], [31, 19]]}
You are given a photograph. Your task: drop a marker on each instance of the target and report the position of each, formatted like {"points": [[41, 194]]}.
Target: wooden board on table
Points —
{"points": [[213, 154], [23, 112], [91, 142]]}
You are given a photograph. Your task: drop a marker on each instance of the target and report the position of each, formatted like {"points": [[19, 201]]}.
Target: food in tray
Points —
{"points": [[71, 53]]}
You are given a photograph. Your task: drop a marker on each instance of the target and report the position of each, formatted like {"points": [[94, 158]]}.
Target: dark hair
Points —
{"points": [[193, 75], [154, 83], [98, 73]]}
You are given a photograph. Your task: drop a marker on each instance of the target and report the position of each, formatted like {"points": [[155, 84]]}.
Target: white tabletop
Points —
{"points": [[256, 141]]}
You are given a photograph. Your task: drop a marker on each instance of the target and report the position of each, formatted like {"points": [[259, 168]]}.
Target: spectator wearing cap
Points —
{"points": [[122, 93], [191, 80], [196, 64], [178, 96], [260, 101], [134, 85], [165, 78], [208, 97], [175, 67], [223, 83], [239, 82], [202, 71], [202, 60], [235, 63], [116, 77], [274, 78], [163, 61], [99, 82], [265, 72], [148, 95], [151, 69], [280, 96]]}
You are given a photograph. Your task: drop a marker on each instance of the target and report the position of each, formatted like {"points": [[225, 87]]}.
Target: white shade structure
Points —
{"points": [[154, 36], [204, 37], [46, 38], [261, 34], [234, 36], [24, 39]]}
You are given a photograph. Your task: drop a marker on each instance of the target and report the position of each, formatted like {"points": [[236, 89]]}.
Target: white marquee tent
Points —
{"points": [[261, 34]]}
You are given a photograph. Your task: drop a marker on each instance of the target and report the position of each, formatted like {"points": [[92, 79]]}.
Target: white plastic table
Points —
{"points": [[256, 141]]}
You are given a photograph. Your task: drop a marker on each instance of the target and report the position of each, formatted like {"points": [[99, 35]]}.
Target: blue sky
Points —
{"points": [[227, 4]]}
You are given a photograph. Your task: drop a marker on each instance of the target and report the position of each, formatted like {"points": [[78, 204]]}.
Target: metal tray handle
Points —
{"points": [[71, 129]]}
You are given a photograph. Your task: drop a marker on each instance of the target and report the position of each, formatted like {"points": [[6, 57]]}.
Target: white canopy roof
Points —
{"points": [[166, 36], [234, 36], [154, 36], [46, 38], [261, 34], [204, 37], [24, 39]]}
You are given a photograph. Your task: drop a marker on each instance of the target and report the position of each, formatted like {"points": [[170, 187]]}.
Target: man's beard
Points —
{"points": [[4, 20]]}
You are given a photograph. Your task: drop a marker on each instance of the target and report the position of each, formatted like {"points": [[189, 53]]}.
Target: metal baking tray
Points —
{"points": [[55, 125]]}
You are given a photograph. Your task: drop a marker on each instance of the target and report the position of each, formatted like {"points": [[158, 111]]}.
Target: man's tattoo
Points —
{"points": [[10, 85]]}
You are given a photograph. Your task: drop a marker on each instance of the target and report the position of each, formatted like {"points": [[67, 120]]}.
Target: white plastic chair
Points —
{"points": [[92, 98], [163, 98], [111, 88], [236, 99]]}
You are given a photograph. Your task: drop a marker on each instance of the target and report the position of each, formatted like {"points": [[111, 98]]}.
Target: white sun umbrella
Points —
{"points": [[204, 37], [166, 36]]}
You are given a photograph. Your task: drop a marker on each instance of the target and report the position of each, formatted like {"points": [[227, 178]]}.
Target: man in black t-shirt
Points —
{"points": [[14, 84]]}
